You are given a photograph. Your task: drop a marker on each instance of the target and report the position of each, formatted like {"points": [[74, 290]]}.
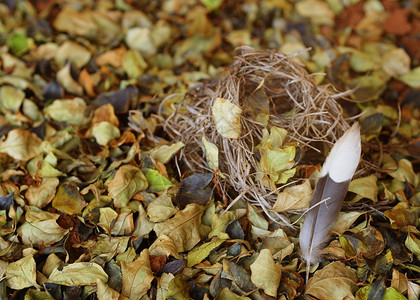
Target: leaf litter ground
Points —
{"points": [[128, 128]]}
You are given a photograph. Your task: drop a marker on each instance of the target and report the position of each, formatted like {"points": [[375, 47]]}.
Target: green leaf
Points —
{"points": [[212, 4], [157, 182], [198, 254], [19, 44]]}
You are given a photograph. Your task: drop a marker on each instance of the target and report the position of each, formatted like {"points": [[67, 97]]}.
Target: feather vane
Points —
{"points": [[330, 190]]}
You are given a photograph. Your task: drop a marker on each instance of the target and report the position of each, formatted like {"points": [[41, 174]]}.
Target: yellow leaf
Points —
{"points": [[198, 254], [21, 144], [68, 199], [294, 197], [365, 187], [265, 274], [137, 276], [344, 221], [164, 153], [227, 118]]}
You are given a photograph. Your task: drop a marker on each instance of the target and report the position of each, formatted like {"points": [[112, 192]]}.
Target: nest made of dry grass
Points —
{"points": [[316, 119]]}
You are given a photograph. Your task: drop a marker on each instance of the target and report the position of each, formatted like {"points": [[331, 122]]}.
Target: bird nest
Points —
{"points": [[271, 89]]}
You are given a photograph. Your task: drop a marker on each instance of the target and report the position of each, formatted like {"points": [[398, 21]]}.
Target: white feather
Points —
{"points": [[330, 190]]}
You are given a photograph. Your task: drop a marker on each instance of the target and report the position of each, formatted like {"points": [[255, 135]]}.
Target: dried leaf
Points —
{"points": [[42, 194], [198, 254], [182, 228], [21, 273], [212, 154], [11, 98], [366, 187], [265, 274], [294, 197], [44, 232], [71, 111], [21, 144], [127, 181], [412, 78], [68, 199], [164, 153], [161, 208], [335, 281], [104, 132], [106, 293], [227, 118], [78, 273], [137, 276]]}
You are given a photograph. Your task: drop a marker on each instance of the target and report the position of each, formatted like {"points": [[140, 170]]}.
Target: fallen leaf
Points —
{"points": [[227, 118], [265, 274], [78, 273], [197, 255], [104, 292], [294, 197], [335, 281], [212, 154], [68, 199], [157, 182], [42, 194], [71, 111], [21, 144], [365, 187], [104, 132], [182, 228], [21, 273], [127, 181], [161, 208], [137, 276]]}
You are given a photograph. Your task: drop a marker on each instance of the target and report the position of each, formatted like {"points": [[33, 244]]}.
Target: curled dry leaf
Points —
{"points": [[21, 144]]}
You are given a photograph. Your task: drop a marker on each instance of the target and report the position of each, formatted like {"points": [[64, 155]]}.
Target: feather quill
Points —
{"points": [[330, 190]]}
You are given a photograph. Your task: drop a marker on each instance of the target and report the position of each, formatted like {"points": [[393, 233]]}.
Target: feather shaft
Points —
{"points": [[329, 193]]}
